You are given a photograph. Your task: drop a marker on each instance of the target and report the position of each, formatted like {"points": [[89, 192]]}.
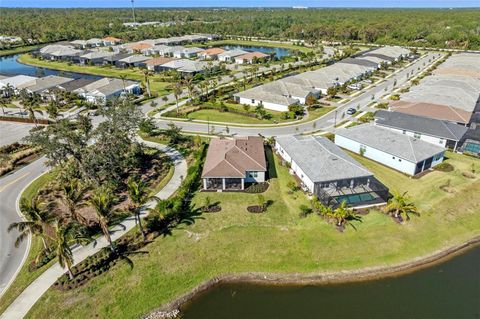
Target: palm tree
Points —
{"points": [[65, 236], [400, 204], [177, 91], [345, 215], [102, 201], [73, 195], [123, 77], [189, 85], [39, 218], [146, 75], [139, 195], [4, 101]]}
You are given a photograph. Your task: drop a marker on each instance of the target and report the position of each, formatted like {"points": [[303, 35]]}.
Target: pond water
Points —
{"points": [[447, 290], [279, 52], [10, 66]]}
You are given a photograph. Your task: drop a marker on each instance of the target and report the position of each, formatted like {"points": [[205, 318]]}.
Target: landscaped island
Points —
{"points": [[234, 241]]}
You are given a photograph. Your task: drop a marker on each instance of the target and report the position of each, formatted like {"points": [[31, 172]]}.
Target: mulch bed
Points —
{"points": [[256, 209], [362, 211], [212, 209], [468, 175]]}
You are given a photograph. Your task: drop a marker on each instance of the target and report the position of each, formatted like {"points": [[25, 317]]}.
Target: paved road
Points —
{"points": [[11, 132], [326, 122], [11, 186], [25, 301]]}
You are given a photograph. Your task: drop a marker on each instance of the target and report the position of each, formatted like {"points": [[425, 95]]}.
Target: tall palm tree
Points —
{"points": [[73, 196], [345, 215], [139, 195], [400, 204], [66, 235], [39, 218], [146, 76], [177, 91], [123, 77], [103, 201], [189, 85], [4, 101]]}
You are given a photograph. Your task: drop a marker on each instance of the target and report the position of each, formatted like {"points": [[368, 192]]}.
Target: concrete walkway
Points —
{"points": [[25, 301]]}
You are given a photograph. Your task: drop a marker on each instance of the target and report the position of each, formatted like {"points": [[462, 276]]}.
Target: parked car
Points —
{"points": [[351, 111]]}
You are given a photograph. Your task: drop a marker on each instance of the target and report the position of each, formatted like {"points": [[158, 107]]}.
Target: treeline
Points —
{"points": [[450, 28]]}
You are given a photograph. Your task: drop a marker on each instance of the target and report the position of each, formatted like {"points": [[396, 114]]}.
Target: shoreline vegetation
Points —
{"points": [[322, 278], [136, 74], [18, 50], [233, 243]]}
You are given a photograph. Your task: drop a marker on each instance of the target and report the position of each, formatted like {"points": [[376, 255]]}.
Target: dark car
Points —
{"points": [[351, 111]]}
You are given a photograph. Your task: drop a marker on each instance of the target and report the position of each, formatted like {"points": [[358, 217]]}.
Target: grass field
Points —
{"points": [[214, 115], [17, 50], [234, 241], [25, 277], [108, 71], [260, 44]]}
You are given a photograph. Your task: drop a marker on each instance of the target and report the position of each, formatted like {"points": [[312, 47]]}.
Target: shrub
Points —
{"points": [[444, 167], [257, 188]]}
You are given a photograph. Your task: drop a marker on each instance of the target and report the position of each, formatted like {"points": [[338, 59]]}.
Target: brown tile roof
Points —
{"points": [[159, 61], [232, 158], [212, 51], [140, 46], [249, 56], [112, 39], [435, 111]]}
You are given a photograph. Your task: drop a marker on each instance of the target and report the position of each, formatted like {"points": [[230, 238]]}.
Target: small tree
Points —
{"points": [[332, 91]]}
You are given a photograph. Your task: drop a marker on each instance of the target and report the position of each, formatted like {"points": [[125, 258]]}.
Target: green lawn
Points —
{"points": [[26, 277], [260, 44], [234, 241], [17, 50], [214, 115], [107, 71]]}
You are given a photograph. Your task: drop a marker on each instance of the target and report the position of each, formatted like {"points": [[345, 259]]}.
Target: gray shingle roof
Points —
{"points": [[320, 159], [396, 144], [424, 125]]}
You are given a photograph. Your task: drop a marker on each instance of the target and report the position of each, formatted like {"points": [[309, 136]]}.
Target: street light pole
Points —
{"points": [[335, 123]]}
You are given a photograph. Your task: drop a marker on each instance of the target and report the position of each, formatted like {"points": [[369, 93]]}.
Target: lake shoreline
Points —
{"points": [[299, 279]]}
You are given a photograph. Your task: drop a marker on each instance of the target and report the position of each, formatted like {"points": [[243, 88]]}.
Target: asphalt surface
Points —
{"points": [[11, 186], [325, 123]]}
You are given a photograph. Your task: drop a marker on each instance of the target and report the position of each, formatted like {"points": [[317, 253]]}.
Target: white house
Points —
{"points": [[270, 100], [437, 132], [398, 151], [229, 56], [328, 172]]}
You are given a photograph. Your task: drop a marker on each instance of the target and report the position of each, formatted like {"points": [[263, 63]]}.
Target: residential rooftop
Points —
{"points": [[423, 125], [388, 141], [234, 158], [320, 159]]}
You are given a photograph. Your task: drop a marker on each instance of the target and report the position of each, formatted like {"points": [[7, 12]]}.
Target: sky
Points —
{"points": [[243, 3]]}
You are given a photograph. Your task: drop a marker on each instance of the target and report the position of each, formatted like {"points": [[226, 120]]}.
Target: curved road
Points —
{"points": [[11, 186], [11, 258], [25, 301], [326, 122]]}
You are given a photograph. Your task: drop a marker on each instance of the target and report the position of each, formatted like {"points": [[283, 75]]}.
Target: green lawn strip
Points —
{"points": [[213, 115], [260, 44], [107, 71], [25, 277], [18, 50], [165, 178], [234, 241]]}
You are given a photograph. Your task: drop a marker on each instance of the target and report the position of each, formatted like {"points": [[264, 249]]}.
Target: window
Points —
{"points": [[253, 100], [440, 141], [254, 174], [393, 157], [404, 131], [417, 135]]}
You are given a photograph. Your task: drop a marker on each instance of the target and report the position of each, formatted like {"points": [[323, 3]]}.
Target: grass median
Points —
{"points": [[278, 241]]}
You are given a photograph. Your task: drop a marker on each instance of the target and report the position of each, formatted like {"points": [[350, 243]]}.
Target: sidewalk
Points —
{"points": [[25, 301]]}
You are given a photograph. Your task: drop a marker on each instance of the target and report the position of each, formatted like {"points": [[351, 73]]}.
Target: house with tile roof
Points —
{"points": [[437, 132], [326, 171], [409, 155], [109, 41], [210, 54], [231, 164], [251, 57]]}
